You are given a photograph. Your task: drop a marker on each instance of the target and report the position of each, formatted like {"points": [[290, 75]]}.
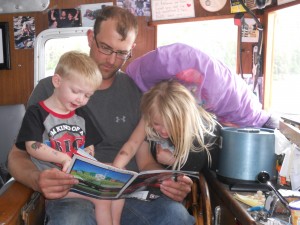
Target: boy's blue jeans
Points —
{"points": [[162, 211]]}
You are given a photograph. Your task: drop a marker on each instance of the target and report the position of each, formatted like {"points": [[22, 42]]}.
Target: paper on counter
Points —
{"points": [[251, 200]]}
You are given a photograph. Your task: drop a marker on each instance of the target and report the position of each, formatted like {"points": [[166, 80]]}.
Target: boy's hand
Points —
{"points": [[90, 150], [66, 163]]}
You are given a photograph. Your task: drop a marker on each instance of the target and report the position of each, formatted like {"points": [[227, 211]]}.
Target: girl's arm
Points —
{"points": [[129, 149], [44, 152]]}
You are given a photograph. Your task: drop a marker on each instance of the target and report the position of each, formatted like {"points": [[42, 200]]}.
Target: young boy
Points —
{"points": [[56, 128]]}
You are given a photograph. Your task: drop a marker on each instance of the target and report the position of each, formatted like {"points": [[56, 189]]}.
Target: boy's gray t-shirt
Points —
{"points": [[114, 111]]}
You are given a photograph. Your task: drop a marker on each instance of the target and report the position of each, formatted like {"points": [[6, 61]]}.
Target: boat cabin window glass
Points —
{"points": [[283, 67], [54, 48], [52, 43], [217, 38]]}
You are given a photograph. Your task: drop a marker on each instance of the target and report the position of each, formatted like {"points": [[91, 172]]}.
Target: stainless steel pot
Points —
{"points": [[244, 152]]}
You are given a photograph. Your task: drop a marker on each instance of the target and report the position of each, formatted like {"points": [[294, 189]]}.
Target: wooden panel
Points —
{"points": [[231, 209], [292, 133], [11, 203], [16, 84]]}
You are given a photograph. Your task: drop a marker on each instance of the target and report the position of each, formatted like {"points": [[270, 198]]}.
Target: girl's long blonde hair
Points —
{"points": [[187, 123]]}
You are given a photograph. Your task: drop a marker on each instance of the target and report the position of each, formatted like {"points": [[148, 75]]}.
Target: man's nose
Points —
{"points": [[112, 58]]}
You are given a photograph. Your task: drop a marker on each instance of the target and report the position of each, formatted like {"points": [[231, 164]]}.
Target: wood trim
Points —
{"points": [[292, 133], [232, 204], [194, 19], [11, 203]]}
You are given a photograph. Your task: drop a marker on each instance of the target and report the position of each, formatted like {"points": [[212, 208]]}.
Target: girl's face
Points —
{"points": [[159, 127]]}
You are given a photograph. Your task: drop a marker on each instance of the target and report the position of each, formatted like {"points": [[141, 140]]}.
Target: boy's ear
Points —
{"points": [[56, 80]]}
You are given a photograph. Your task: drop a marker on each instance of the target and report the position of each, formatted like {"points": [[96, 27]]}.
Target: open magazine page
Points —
{"points": [[97, 179], [102, 181], [146, 185]]}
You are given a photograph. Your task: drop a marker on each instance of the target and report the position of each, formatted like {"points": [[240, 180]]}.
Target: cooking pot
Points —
{"points": [[244, 152]]}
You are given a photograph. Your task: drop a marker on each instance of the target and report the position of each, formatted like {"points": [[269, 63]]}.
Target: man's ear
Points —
{"points": [[56, 80], [133, 45], [90, 37]]}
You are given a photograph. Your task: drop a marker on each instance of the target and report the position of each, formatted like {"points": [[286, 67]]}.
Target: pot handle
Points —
{"points": [[248, 130]]}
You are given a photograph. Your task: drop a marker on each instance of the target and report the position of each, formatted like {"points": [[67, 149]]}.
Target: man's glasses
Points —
{"points": [[106, 50]]}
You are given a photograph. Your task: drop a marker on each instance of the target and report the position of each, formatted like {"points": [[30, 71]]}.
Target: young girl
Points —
{"points": [[172, 119]]}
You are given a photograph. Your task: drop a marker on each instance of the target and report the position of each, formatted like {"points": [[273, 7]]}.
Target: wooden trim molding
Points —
{"points": [[291, 132]]}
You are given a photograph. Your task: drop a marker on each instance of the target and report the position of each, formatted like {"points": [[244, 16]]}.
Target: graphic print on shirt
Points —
{"points": [[65, 135]]}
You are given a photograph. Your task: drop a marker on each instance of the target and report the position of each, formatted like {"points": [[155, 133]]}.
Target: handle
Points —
{"points": [[248, 130], [217, 215]]}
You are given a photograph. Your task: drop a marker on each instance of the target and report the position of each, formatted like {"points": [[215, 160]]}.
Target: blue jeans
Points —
{"points": [[162, 211]]}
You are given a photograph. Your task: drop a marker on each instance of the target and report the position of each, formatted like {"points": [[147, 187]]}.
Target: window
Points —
{"points": [[204, 35], [52, 43], [283, 67]]}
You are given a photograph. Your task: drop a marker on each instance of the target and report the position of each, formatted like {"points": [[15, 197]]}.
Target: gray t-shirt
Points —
{"points": [[114, 111]]}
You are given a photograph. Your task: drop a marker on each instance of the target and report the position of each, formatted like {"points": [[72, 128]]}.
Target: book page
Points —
{"points": [[97, 179], [102, 181], [147, 183]]}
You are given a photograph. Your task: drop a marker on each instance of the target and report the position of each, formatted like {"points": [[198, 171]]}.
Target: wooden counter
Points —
{"points": [[231, 211]]}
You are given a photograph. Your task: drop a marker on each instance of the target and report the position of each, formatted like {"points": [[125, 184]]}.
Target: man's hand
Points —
{"points": [[55, 184], [177, 190]]}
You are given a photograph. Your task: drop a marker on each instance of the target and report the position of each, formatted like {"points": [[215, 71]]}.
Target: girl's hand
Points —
{"points": [[164, 156]]}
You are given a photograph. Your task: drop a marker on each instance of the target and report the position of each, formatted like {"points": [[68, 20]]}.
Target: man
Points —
{"points": [[115, 111]]}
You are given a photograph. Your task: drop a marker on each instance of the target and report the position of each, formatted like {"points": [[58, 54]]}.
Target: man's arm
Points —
{"points": [[176, 190], [52, 183], [22, 169]]}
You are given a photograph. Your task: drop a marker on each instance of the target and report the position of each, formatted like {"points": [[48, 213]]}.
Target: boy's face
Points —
{"points": [[72, 91]]}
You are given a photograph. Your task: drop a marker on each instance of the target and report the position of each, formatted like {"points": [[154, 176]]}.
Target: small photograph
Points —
{"points": [[249, 31], [59, 18], [24, 32], [89, 13], [136, 7]]}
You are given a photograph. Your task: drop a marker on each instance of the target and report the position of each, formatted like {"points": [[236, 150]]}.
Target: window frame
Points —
{"points": [[39, 46], [269, 51]]}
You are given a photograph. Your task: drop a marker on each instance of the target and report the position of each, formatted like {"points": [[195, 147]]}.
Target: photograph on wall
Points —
{"points": [[24, 32], [89, 13], [60, 18], [136, 7], [249, 31]]}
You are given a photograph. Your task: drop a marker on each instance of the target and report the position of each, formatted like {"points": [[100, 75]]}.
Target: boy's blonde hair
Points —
{"points": [[80, 63], [187, 123]]}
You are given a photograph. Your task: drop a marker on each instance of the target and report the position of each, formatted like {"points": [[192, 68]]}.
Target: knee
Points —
{"points": [[70, 211]]}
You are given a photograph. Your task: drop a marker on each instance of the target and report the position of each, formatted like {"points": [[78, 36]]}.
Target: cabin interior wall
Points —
{"points": [[16, 84]]}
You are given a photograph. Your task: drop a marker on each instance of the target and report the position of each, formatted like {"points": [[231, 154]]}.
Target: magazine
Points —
{"points": [[102, 181]]}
